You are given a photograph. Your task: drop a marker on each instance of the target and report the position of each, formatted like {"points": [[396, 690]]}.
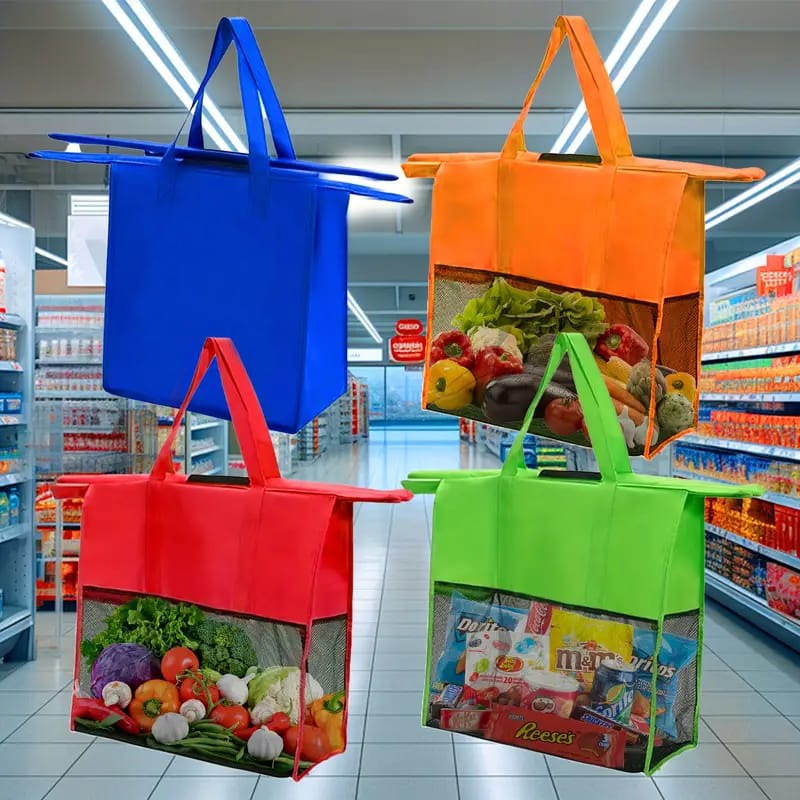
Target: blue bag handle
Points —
{"points": [[158, 149], [239, 31]]}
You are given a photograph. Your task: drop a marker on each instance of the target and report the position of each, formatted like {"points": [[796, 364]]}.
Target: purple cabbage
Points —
{"points": [[130, 663]]}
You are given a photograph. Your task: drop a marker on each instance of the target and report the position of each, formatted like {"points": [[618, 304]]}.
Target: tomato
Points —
{"points": [[563, 416], [279, 722], [192, 689], [230, 716], [315, 743], [177, 660]]}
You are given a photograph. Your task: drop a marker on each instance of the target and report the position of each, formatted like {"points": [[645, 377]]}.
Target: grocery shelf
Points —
{"points": [[15, 620], [13, 532], [64, 559], [206, 450], [203, 425], [11, 320], [67, 361], [787, 559], [753, 608], [10, 366], [765, 397], [753, 352], [788, 453], [99, 394], [770, 497], [12, 478], [66, 526]]}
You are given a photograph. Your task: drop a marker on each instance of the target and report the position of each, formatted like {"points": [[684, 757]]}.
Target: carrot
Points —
{"points": [[633, 413], [622, 395]]}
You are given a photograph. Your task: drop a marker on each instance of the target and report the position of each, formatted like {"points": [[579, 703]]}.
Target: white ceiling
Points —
{"points": [[360, 77]]}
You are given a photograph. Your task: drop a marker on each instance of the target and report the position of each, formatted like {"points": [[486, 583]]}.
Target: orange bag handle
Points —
{"points": [[602, 106]]}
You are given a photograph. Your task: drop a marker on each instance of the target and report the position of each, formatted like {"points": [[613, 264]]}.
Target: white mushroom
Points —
{"points": [[117, 693], [193, 710]]}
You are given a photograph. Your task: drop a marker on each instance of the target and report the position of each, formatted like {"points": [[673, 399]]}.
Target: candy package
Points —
{"points": [[468, 617], [579, 644], [675, 654]]}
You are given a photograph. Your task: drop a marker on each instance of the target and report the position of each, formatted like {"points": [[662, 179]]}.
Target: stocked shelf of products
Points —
{"points": [[17, 567], [78, 428], [749, 431]]}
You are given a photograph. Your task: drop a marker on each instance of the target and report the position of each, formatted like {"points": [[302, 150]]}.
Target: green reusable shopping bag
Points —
{"points": [[566, 608]]}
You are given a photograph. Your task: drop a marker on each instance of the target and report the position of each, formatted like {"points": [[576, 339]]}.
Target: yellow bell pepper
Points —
{"points": [[450, 386], [681, 383], [328, 715]]}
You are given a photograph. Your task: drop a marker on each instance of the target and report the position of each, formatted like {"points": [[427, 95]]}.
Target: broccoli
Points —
{"points": [[225, 648]]}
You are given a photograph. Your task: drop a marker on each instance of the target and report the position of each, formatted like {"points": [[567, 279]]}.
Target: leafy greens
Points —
{"points": [[531, 314]]}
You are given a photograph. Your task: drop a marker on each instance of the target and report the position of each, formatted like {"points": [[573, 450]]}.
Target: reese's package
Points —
{"points": [[578, 644], [676, 653]]}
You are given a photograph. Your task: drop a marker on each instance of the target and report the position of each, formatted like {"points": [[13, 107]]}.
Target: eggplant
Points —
{"points": [[507, 398], [538, 357]]}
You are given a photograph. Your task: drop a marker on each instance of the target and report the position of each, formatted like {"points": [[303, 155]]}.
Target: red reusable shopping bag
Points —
{"points": [[186, 578]]}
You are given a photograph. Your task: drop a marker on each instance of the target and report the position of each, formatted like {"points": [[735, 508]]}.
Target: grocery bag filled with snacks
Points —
{"points": [[183, 644], [566, 606], [525, 245]]}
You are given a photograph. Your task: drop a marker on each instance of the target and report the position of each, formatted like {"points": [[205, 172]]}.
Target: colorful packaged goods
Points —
{"points": [[770, 430], [783, 589], [549, 678], [753, 376]]}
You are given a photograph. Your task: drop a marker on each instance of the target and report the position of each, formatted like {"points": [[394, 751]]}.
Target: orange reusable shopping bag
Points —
{"points": [[525, 245]]}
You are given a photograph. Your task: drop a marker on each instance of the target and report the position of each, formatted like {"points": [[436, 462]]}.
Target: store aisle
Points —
{"points": [[750, 736]]}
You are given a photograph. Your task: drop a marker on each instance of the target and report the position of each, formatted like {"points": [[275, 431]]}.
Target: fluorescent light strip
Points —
{"points": [[171, 80], [40, 251], [174, 57], [158, 64], [629, 65], [359, 314], [631, 29], [754, 195]]}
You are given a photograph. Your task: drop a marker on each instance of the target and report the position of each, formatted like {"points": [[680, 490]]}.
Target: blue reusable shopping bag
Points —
{"points": [[204, 243]]}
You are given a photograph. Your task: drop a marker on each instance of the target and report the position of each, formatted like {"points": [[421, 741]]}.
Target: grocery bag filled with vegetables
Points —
{"points": [[214, 613], [526, 245], [566, 607]]}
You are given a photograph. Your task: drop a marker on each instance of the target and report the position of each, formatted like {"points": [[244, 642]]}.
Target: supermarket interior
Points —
{"points": [[369, 84]]}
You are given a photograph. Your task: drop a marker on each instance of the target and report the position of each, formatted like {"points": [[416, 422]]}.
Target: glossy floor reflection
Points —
{"points": [[750, 736]]}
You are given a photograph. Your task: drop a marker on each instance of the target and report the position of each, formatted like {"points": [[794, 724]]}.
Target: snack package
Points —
{"points": [[578, 644], [468, 617], [500, 665], [675, 654]]}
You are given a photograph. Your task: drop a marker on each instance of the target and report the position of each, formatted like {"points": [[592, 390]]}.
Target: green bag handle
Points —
{"points": [[598, 411]]}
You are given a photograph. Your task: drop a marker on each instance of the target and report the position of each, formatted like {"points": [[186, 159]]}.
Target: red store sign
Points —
{"points": [[408, 346]]}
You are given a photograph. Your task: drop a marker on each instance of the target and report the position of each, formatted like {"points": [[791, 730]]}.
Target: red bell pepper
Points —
{"points": [[96, 710], [623, 342], [453, 345], [245, 733], [491, 363]]}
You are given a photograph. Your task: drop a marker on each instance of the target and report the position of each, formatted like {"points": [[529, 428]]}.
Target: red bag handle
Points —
{"points": [[602, 106], [251, 428]]}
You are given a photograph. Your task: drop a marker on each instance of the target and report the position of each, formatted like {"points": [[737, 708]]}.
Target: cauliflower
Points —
{"points": [[278, 689], [675, 413], [639, 383], [481, 337]]}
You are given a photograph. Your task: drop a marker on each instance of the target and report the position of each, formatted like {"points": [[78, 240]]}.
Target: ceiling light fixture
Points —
{"points": [[171, 79], [359, 314], [166, 46], [563, 144], [771, 185]]}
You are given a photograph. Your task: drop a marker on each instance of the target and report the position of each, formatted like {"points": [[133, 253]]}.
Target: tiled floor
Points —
{"points": [[750, 737]]}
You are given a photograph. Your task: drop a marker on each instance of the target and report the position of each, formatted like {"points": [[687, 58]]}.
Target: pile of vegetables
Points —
{"points": [[210, 700], [492, 364]]}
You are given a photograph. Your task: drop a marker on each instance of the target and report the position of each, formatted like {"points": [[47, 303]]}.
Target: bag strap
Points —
{"points": [[598, 411], [601, 101], [251, 429], [158, 149], [239, 31]]}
